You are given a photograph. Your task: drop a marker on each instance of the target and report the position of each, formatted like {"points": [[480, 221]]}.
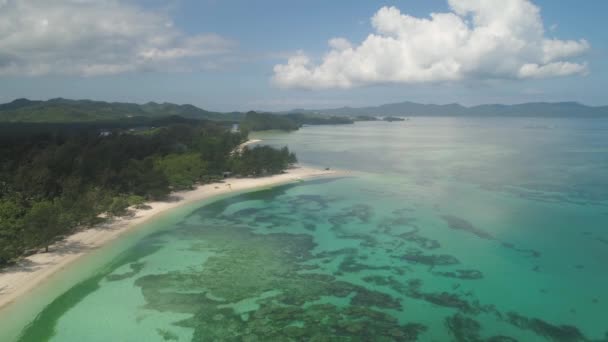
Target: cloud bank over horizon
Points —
{"points": [[478, 39], [98, 37]]}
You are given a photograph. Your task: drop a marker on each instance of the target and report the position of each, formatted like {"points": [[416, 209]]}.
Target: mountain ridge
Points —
{"points": [[67, 110], [408, 108]]}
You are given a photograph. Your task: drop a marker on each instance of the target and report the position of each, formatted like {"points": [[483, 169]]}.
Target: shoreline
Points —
{"points": [[32, 271]]}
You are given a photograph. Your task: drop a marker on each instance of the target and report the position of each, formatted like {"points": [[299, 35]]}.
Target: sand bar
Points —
{"points": [[30, 272]]}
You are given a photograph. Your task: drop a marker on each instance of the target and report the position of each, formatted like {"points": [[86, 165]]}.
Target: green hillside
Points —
{"points": [[64, 110]]}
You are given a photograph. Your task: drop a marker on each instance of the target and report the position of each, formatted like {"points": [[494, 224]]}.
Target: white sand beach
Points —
{"points": [[30, 272]]}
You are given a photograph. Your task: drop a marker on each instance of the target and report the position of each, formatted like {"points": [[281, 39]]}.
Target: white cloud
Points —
{"points": [[340, 44], [551, 69], [97, 37], [478, 39]]}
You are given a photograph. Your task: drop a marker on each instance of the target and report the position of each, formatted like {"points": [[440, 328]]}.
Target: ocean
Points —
{"points": [[442, 229]]}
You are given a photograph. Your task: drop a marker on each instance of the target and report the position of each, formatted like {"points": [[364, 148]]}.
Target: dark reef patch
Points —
{"points": [[421, 241], [136, 267], [321, 322], [336, 253], [413, 290], [377, 299], [448, 300], [309, 202], [461, 274], [417, 257], [351, 265], [557, 333], [466, 329], [388, 225], [501, 339], [530, 252], [247, 212], [457, 223], [167, 335], [463, 328], [358, 212]]}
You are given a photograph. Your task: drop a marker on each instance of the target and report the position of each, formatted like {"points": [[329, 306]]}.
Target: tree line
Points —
{"points": [[53, 182], [254, 121]]}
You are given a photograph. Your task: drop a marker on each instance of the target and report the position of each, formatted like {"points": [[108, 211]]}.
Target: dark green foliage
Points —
{"points": [[181, 170], [42, 224], [392, 118], [265, 121], [54, 180], [365, 118], [262, 160], [119, 206], [11, 216], [254, 121], [314, 119]]}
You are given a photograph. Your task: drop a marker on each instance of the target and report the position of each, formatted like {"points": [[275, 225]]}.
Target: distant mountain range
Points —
{"points": [[536, 109], [64, 110]]}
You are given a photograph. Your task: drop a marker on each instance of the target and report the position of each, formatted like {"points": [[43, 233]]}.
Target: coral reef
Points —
{"points": [[457, 223]]}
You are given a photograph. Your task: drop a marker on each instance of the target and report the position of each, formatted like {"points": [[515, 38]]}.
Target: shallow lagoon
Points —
{"points": [[446, 229]]}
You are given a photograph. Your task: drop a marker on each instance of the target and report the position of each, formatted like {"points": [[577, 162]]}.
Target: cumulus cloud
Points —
{"points": [[478, 39], [97, 37]]}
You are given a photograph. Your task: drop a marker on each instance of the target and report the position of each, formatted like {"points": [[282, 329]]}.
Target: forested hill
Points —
{"points": [[254, 121], [537, 109], [83, 112], [64, 110]]}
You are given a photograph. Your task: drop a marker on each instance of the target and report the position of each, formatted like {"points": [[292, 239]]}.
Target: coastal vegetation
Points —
{"points": [[365, 118], [56, 178], [317, 119], [392, 118], [255, 121]]}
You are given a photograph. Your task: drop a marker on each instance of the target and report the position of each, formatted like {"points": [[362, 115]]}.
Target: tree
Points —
{"points": [[140, 177], [261, 160], [11, 216], [42, 224], [181, 170], [119, 206], [57, 177]]}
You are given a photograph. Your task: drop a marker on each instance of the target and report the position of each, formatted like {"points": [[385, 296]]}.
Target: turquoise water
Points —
{"points": [[445, 230]]}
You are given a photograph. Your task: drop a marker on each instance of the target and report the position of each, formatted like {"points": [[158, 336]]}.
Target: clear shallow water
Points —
{"points": [[449, 229]]}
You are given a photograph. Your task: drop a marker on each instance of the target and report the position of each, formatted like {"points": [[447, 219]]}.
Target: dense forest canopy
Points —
{"points": [[55, 178], [255, 121]]}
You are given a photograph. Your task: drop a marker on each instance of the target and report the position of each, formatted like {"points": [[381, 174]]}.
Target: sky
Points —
{"points": [[229, 55]]}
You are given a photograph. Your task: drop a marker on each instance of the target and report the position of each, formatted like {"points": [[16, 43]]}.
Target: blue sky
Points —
{"points": [[222, 54]]}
